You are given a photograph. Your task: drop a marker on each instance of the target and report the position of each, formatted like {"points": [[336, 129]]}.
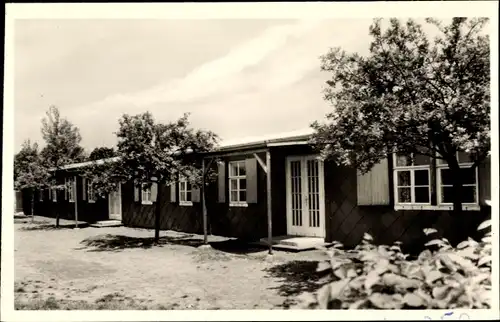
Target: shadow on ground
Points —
{"points": [[296, 277], [45, 226], [110, 242]]}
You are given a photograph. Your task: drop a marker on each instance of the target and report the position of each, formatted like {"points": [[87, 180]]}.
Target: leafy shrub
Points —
{"points": [[381, 277]]}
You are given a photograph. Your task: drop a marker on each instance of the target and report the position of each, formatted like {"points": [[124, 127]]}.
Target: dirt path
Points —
{"points": [[120, 268]]}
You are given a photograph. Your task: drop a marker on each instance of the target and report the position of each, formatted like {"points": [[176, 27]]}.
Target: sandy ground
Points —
{"points": [[120, 268]]}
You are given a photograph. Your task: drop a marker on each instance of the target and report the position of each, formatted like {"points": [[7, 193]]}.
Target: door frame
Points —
{"points": [[321, 186], [119, 203]]}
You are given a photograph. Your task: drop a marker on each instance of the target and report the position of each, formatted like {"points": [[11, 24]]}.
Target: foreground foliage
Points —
{"points": [[382, 277]]}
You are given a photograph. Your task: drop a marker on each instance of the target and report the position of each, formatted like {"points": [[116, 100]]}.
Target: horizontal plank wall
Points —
{"points": [[347, 221]]}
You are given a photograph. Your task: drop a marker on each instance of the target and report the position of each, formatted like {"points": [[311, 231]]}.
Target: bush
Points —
{"points": [[382, 277]]}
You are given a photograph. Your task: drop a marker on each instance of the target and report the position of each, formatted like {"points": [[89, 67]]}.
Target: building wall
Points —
{"points": [[347, 222]]}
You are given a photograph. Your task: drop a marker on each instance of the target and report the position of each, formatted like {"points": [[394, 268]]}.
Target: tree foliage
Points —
{"points": [[101, 153], [410, 94], [62, 140]]}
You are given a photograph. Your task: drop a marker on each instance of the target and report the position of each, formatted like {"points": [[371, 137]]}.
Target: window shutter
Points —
{"points": [[136, 193], [173, 192], [222, 181], [484, 180], [154, 191], [195, 194], [373, 187], [252, 180]]}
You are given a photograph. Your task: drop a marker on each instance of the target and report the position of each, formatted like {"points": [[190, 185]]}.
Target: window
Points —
{"points": [[146, 195], [40, 195], [185, 196], [469, 183], [412, 183], [70, 189], [53, 194], [90, 192], [237, 184]]}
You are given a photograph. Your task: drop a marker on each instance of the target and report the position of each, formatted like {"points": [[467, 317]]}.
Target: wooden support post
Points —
{"points": [[75, 195], [204, 205], [269, 204]]}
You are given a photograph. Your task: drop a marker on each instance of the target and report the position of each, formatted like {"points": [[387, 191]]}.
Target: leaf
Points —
{"points": [[463, 244], [433, 276], [337, 288], [324, 297], [341, 272], [385, 301], [413, 300], [484, 225], [399, 282], [437, 242], [429, 231], [371, 279], [367, 237], [441, 292], [463, 262], [382, 266], [323, 266], [484, 260], [357, 305], [486, 239]]}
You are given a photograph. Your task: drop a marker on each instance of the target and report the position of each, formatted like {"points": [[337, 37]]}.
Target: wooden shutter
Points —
{"points": [[154, 192], [373, 187], [252, 179], [484, 180], [195, 194], [173, 192], [136, 193], [222, 181]]}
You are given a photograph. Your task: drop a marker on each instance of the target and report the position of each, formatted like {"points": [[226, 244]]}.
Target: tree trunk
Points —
{"points": [[33, 206], [459, 231], [158, 212]]}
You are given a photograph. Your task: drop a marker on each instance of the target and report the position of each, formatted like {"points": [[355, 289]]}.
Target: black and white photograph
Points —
{"points": [[197, 159]]}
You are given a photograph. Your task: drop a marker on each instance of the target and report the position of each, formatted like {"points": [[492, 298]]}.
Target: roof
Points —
{"points": [[299, 136], [87, 163]]}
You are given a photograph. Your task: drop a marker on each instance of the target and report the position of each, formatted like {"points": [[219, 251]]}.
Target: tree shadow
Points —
{"points": [[297, 277], [48, 227], [109, 242]]}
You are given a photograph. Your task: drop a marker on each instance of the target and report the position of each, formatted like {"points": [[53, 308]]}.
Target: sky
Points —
{"points": [[238, 78]]}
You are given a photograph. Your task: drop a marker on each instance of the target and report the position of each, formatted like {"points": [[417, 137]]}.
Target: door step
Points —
{"points": [[107, 223], [295, 243]]}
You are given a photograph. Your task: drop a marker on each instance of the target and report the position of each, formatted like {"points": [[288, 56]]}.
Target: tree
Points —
{"points": [[153, 153], [30, 172], [410, 95], [101, 153], [62, 147]]}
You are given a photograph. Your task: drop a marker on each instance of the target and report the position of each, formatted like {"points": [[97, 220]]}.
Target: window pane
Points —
{"points": [[404, 194], [243, 184], [446, 177], [233, 169], [421, 177], [234, 196], [402, 160], [182, 186], [243, 196], [188, 196], [234, 184], [422, 194], [422, 160], [243, 171], [447, 194], [464, 157], [404, 178], [469, 194], [188, 186], [468, 175]]}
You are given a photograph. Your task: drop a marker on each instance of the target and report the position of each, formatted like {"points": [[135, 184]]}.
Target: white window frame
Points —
{"points": [[441, 165], [185, 202], [90, 192], [237, 177], [70, 189], [410, 168], [146, 198]]}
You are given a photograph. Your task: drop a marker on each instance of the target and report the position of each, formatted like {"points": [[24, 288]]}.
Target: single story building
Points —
{"points": [[277, 185]]}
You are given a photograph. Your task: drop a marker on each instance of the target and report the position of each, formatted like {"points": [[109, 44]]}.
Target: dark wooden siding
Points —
{"points": [[347, 222]]}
